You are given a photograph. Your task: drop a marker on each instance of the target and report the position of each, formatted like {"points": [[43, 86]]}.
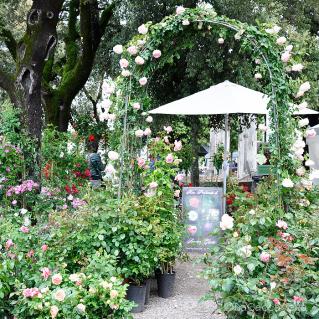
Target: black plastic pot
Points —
{"points": [[165, 284], [137, 294], [148, 291]]}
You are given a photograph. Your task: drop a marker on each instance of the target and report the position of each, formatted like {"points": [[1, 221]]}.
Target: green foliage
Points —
{"points": [[219, 157]]}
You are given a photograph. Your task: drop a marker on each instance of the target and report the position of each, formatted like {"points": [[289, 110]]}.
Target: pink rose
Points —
{"points": [[59, 295], [143, 81], [179, 177], [276, 301], [177, 146], [124, 63], [192, 230], [168, 129], [153, 185], [54, 311], [147, 132], [143, 29], [169, 159], [139, 60], [57, 279], [311, 133], [46, 273], [298, 299], [114, 294], [30, 253], [166, 140], [265, 257], [136, 106], [157, 54], [180, 10], [141, 162], [118, 49], [132, 50], [285, 57], [44, 247], [9, 244], [282, 224], [24, 229], [139, 133]]}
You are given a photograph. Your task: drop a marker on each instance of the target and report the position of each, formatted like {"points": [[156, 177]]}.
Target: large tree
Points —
{"points": [[43, 80]]}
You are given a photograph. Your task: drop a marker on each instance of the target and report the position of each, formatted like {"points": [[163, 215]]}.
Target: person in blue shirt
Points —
{"points": [[96, 165]]}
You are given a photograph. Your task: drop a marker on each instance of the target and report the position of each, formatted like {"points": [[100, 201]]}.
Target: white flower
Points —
{"points": [[61, 154], [59, 295], [282, 224], [23, 211], [139, 60], [262, 127], [289, 48], [238, 270], [281, 41], [124, 63], [310, 163], [26, 221], [157, 54], [301, 171], [113, 156], [221, 41], [302, 105], [276, 29], [288, 183], [139, 133], [297, 67], [109, 169], [258, 76], [118, 49], [186, 22], [143, 81], [147, 132], [305, 87], [149, 119], [143, 29], [246, 251], [252, 212], [80, 307], [153, 185], [126, 73], [311, 133], [261, 159], [74, 277], [70, 198], [132, 50], [235, 234], [227, 222], [180, 10], [168, 129], [303, 122], [285, 57], [136, 106], [273, 285]]}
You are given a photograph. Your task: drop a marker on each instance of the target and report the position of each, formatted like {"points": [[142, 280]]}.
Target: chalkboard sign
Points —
{"points": [[202, 207]]}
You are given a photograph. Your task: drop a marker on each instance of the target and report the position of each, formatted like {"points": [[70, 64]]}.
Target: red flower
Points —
{"points": [[230, 199], [190, 185], [249, 195], [77, 174], [68, 189], [245, 188], [91, 138], [87, 173], [74, 189]]}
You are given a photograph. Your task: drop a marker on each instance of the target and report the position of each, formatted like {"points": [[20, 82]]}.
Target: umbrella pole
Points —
{"points": [[225, 165]]}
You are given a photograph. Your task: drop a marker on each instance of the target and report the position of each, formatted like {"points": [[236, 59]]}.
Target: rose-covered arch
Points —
{"points": [[151, 49]]}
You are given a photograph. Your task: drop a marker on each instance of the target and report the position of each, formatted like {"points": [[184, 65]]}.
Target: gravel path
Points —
{"points": [[185, 302]]}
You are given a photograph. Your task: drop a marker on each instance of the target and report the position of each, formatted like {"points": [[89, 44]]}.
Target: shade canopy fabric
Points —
{"points": [[223, 98]]}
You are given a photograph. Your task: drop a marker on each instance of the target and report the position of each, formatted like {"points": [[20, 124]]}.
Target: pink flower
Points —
{"points": [[139, 133], [141, 162], [59, 295], [179, 177], [281, 41], [311, 133], [143, 81], [139, 60], [30, 253], [169, 158], [276, 301], [132, 50], [143, 29], [57, 279], [177, 146], [46, 273], [44, 247], [285, 57], [166, 140], [221, 41], [136, 106], [265, 257], [124, 63], [153, 185], [281, 224], [168, 129], [24, 229], [149, 119], [147, 132], [9, 244], [192, 230], [126, 73], [180, 10], [31, 292], [118, 49], [14, 202], [157, 54], [54, 311], [298, 299], [177, 193]]}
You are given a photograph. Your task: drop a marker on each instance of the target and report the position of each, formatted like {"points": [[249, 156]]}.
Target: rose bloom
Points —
{"points": [[168, 129], [9, 243], [180, 10], [124, 63], [126, 73], [265, 257], [288, 183], [147, 132], [310, 163], [303, 122], [238, 270], [46, 273], [301, 171], [177, 193], [118, 49], [142, 29], [311, 133], [139, 60], [166, 140], [169, 158], [298, 299], [74, 277], [141, 162], [157, 54], [179, 177], [143, 81], [149, 119], [258, 76], [177, 146], [281, 41], [281, 224], [221, 41], [305, 87], [80, 307], [24, 229], [192, 230], [113, 156], [136, 106], [276, 301], [297, 67], [285, 57], [59, 295], [186, 22], [132, 50], [227, 222], [302, 105], [289, 48], [57, 279], [139, 133], [114, 294], [153, 185], [44, 247]]}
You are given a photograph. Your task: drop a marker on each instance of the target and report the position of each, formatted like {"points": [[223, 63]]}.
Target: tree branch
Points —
{"points": [[7, 84], [9, 40]]}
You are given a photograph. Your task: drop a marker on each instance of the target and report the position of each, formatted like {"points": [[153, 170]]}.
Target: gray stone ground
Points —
{"points": [[185, 302]]}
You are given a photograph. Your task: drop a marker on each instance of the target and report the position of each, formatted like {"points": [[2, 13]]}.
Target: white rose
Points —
{"points": [[186, 22], [288, 183], [143, 29], [303, 122], [221, 41], [258, 76], [227, 222], [305, 87], [180, 10], [297, 67], [238, 270], [139, 60], [310, 163], [118, 49], [285, 57], [289, 48], [149, 119], [113, 156], [143, 81], [301, 171], [80, 307], [281, 41], [273, 285], [139, 133]]}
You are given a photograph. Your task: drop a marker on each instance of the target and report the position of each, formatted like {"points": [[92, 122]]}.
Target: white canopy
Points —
{"points": [[223, 98]]}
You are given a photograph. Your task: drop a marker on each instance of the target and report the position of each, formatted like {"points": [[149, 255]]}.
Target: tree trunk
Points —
{"points": [[195, 144]]}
